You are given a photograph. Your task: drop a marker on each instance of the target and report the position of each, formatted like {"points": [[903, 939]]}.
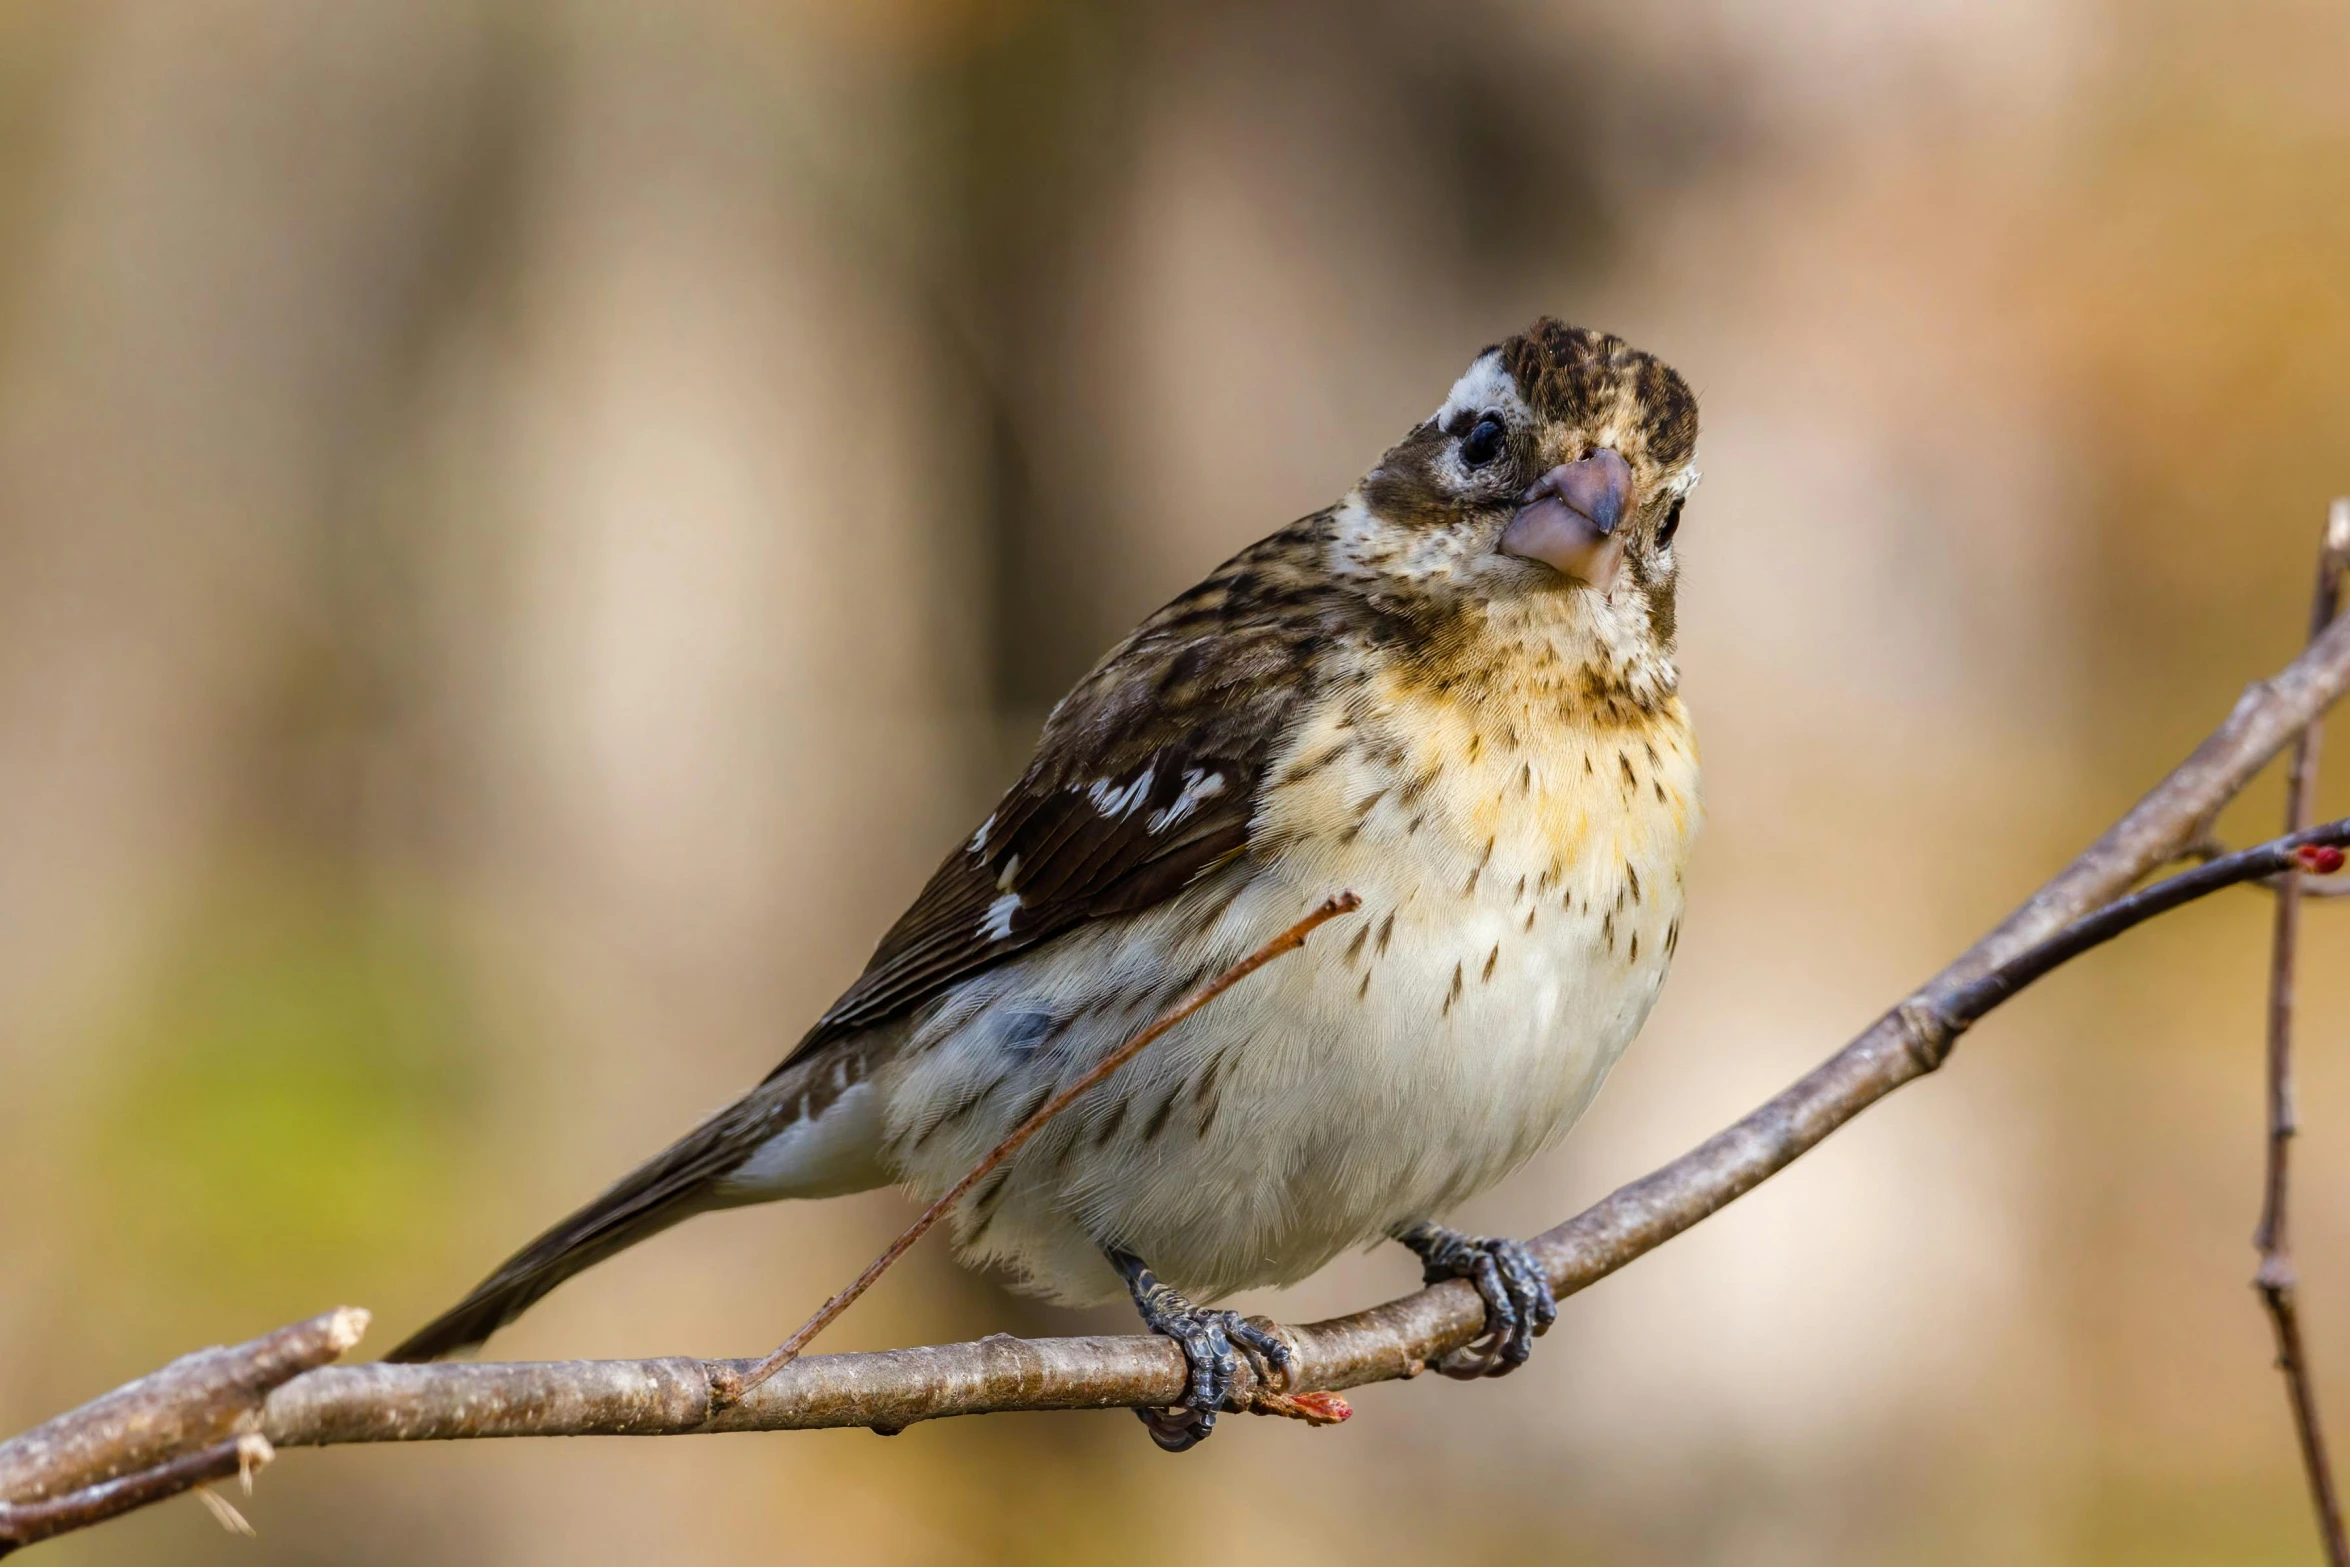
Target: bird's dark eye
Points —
{"points": [[1671, 525], [1483, 442]]}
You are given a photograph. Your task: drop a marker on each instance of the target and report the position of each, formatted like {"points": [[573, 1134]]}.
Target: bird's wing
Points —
{"points": [[1146, 778]]}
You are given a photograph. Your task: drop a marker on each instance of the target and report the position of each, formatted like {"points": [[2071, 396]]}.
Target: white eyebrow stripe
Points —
{"points": [[1485, 385]]}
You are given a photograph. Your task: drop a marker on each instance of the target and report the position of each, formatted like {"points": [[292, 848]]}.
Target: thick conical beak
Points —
{"points": [[1568, 519]]}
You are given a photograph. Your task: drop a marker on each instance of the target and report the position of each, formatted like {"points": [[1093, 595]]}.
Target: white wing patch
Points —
{"points": [[1198, 784], [1113, 801], [979, 838], [996, 923]]}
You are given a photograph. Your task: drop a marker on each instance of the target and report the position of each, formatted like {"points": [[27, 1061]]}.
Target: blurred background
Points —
{"points": [[527, 528]]}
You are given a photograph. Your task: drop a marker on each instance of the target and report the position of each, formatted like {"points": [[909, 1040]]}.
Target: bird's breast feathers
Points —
{"points": [[1520, 867], [1519, 860]]}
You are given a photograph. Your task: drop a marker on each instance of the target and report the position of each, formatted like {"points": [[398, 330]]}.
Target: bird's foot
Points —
{"points": [[1208, 1340], [1519, 1305]]}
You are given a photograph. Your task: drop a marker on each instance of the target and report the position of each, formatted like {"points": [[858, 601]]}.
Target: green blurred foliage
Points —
{"points": [[287, 1116]]}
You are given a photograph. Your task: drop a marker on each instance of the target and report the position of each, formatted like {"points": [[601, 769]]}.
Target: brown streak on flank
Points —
{"points": [[1109, 1127], [969, 1103], [1305, 767], [1207, 1080], [1672, 938], [1386, 929], [1525, 778], [1476, 744], [1208, 1117], [1364, 988], [1369, 802], [1158, 1120], [1635, 957], [1632, 874], [1470, 890], [1607, 928], [1530, 913], [1035, 1103], [1491, 958], [1588, 770], [1625, 762], [984, 1199], [1210, 913], [1660, 791], [1354, 948], [1457, 979]]}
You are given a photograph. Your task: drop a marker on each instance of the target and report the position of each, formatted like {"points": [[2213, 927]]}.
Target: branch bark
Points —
{"points": [[195, 1420], [890, 1390], [2277, 1280]]}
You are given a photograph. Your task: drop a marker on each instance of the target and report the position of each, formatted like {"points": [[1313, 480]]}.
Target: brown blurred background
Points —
{"points": [[525, 528]]}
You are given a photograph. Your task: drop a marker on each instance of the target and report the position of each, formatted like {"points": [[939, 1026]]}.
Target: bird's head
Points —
{"points": [[1549, 485]]}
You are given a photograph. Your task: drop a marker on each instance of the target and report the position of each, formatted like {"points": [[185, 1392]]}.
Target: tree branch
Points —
{"points": [[193, 1421], [890, 1390], [2277, 1279]]}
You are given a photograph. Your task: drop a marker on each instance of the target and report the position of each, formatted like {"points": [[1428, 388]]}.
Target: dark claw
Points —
{"points": [[1206, 1338], [1519, 1305]]}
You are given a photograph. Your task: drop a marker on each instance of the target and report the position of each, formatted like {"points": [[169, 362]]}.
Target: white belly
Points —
{"points": [[1411, 1055]]}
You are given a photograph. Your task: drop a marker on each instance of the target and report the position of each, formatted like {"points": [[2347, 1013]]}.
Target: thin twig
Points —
{"points": [[2211, 848], [194, 1402], [893, 1389], [1288, 941], [2289, 855], [22, 1523], [2276, 1281]]}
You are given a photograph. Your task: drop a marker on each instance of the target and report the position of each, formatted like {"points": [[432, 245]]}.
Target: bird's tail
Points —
{"points": [[674, 1185]]}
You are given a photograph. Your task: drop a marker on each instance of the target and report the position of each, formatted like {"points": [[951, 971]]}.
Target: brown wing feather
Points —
{"points": [[1146, 777]]}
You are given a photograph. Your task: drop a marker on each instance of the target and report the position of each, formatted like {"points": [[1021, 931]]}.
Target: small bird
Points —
{"points": [[1452, 693]]}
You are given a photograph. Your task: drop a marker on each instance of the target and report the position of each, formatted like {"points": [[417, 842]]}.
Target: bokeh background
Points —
{"points": [[526, 528]]}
